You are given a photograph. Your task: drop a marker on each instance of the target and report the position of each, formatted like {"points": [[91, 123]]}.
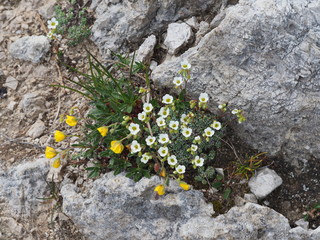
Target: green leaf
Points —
{"points": [[217, 185], [226, 193]]}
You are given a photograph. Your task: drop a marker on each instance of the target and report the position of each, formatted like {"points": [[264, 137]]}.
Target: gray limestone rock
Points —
{"points": [[11, 83], [123, 23], [37, 129], [30, 48], [114, 208], [204, 28], [145, 51], [20, 187], [47, 10], [178, 36], [264, 182], [262, 57], [33, 104], [117, 208]]}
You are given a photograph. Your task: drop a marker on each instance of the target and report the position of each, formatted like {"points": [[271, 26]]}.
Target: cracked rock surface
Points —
{"points": [[263, 57], [114, 207]]}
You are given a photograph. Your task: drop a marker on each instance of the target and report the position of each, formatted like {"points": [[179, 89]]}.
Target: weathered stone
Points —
{"points": [[47, 10], [263, 58], [114, 203], [30, 48], [302, 223], [249, 197], [120, 23], [11, 83], [37, 129], [33, 104], [20, 187], [204, 28], [178, 36], [145, 51], [264, 182], [193, 22], [114, 207]]}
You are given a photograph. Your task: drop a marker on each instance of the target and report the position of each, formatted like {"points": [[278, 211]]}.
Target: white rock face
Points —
{"points": [[263, 57], [264, 182], [30, 48], [178, 36], [114, 208], [145, 51]]}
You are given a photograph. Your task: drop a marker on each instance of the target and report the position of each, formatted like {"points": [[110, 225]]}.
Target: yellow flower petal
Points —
{"points": [[160, 189], [71, 121], [50, 152], [56, 163], [184, 186], [59, 136], [117, 147], [103, 131], [163, 172]]}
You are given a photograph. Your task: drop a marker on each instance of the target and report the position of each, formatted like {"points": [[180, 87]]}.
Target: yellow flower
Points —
{"points": [[163, 173], [117, 147], [71, 121], [50, 152], [56, 163], [103, 131], [59, 136], [184, 186], [160, 189]]}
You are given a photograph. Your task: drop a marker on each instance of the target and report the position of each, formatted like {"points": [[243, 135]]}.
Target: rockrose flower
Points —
{"points": [[117, 147], [50, 152], [59, 136], [103, 131], [71, 121]]}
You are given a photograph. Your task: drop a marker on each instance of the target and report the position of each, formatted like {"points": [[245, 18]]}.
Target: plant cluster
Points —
{"points": [[128, 129], [71, 23]]}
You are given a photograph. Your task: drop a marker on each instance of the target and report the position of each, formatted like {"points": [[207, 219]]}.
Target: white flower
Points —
{"points": [[163, 138], [235, 111], [198, 161], [135, 147], [50, 35], [216, 125], [203, 98], [134, 128], [145, 157], [221, 106], [163, 151], [53, 23], [164, 112], [142, 116], [150, 140], [197, 138], [185, 65], [174, 125], [184, 118], [186, 132], [147, 107], [57, 36], [161, 122], [194, 147], [167, 99], [208, 132], [181, 169], [172, 160], [177, 81]]}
